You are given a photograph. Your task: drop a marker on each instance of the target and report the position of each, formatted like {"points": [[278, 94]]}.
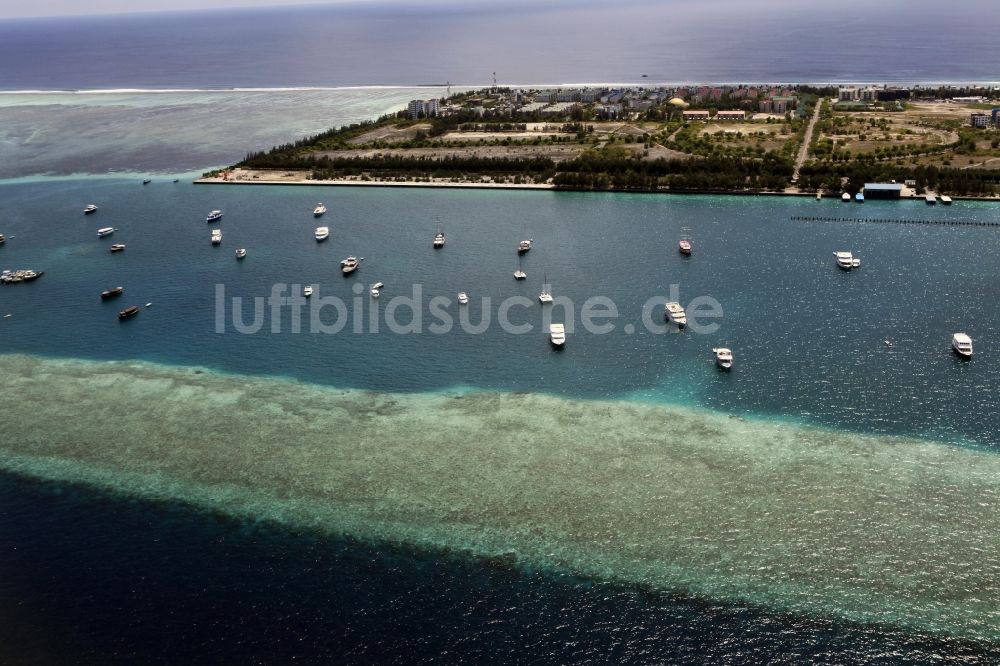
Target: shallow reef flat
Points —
{"points": [[873, 529]]}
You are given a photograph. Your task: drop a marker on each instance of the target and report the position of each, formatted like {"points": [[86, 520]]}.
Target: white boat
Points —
{"points": [[89, 208], [216, 236], [846, 196], [463, 298], [319, 210], [118, 247], [349, 265], [962, 344], [322, 233], [945, 200], [675, 313], [930, 200], [846, 260], [546, 296], [377, 289], [105, 231], [859, 197], [519, 274], [214, 215], [439, 240], [307, 291], [684, 244], [557, 334], [241, 252], [723, 357], [524, 246]]}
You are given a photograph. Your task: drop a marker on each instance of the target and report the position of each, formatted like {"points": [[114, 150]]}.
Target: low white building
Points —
{"points": [[731, 115]]}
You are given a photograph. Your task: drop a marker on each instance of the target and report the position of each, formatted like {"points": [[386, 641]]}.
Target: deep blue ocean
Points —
{"points": [[91, 577]]}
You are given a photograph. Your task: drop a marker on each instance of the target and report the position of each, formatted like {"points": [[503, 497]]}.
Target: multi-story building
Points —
{"points": [[422, 108], [979, 119]]}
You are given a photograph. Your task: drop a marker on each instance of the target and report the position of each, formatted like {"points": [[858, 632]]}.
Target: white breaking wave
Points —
{"points": [[159, 91]]}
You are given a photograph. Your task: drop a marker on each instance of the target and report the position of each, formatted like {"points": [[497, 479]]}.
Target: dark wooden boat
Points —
{"points": [[111, 293], [130, 311]]}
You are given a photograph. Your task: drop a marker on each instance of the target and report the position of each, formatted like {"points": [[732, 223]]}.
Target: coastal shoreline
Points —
{"points": [[344, 182]]}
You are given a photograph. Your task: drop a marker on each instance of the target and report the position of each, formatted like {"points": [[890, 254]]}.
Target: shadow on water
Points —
{"points": [[92, 578]]}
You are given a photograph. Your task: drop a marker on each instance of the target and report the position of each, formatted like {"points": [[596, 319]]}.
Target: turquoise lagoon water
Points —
{"points": [[809, 339]]}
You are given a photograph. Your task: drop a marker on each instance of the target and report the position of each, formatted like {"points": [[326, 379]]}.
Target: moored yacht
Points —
{"points": [[130, 311], [557, 334], [846, 196], [674, 311], [439, 240], [349, 265], [962, 344], [684, 244], [524, 245], [319, 210], [2, 239], [307, 290], [213, 216], [111, 293], [20, 275], [859, 197], [930, 200], [216, 236], [846, 260], [463, 298], [546, 296], [945, 200], [118, 247], [377, 289], [723, 357], [89, 208], [241, 252], [322, 233], [105, 231], [147, 181]]}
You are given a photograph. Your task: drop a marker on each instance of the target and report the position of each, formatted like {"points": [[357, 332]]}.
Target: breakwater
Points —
{"points": [[892, 220]]}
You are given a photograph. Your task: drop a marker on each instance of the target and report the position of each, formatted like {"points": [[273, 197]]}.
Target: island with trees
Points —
{"points": [[736, 139]]}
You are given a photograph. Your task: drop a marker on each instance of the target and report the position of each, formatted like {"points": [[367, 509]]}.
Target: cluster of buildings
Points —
{"points": [[614, 103], [983, 120], [869, 94]]}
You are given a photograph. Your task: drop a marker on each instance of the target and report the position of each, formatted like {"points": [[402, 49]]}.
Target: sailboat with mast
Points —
{"points": [[545, 297], [519, 274]]}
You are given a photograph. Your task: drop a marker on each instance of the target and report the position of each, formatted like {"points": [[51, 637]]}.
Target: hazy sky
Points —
{"points": [[76, 7]]}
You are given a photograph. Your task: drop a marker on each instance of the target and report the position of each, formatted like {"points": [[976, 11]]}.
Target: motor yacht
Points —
{"points": [[463, 298], [846, 260], [322, 233], [241, 252], [214, 216], [723, 357], [675, 313], [89, 208], [962, 344], [118, 247], [557, 334], [439, 240], [319, 210], [349, 265], [105, 231], [216, 236]]}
